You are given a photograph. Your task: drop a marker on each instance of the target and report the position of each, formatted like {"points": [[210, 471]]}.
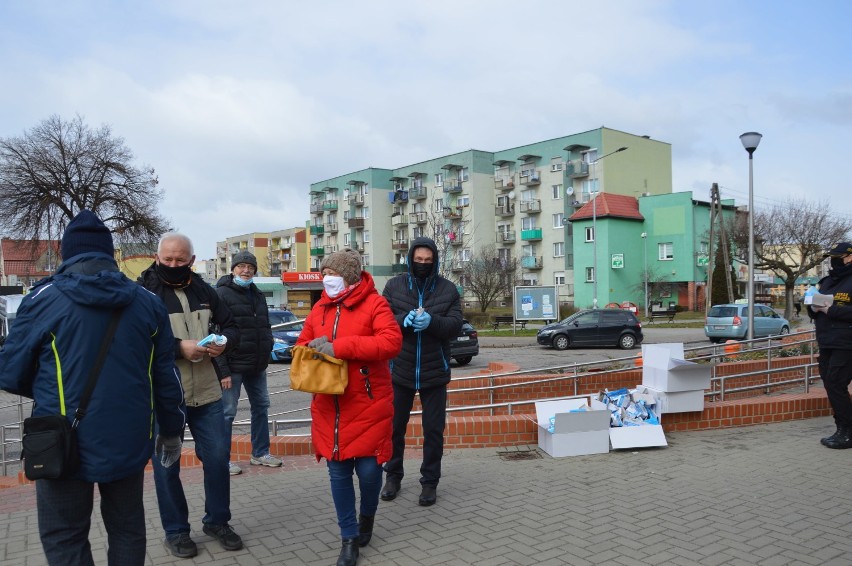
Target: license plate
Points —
{"points": [[719, 327], [463, 338]]}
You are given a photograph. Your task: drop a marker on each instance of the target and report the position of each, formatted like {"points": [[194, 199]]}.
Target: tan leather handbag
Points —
{"points": [[313, 372]]}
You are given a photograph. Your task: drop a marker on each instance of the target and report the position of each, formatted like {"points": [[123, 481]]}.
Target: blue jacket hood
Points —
{"points": [[91, 279]]}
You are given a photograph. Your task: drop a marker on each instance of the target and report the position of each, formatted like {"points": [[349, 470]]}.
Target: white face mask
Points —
{"points": [[333, 284]]}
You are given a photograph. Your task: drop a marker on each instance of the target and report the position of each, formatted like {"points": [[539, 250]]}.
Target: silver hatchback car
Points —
{"points": [[730, 322]]}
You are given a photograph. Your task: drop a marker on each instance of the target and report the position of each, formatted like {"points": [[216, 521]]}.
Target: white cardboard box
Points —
{"points": [[664, 368], [640, 436], [674, 402], [575, 434]]}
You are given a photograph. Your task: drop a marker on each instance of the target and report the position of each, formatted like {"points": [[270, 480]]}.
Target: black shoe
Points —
{"points": [[365, 529], [225, 535], [181, 545], [348, 552], [428, 496], [840, 440], [391, 489]]}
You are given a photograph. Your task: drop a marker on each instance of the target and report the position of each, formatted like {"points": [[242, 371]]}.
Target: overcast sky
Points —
{"points": [[239, 106]]}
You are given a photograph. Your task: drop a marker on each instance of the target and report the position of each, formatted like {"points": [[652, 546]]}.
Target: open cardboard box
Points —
{"points": [[664, 369], [575, 434], [641, 436], [674, 401]]}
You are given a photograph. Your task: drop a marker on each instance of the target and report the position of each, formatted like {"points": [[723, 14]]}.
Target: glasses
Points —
{"points": [[245, 266]]}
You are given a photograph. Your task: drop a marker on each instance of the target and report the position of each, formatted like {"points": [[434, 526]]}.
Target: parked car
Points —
{"points": [[730, 322], [465, 345], [286, 328], [593, 327]]}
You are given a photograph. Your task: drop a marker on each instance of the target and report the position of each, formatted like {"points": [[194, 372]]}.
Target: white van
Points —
{"points": [[8, 309]]}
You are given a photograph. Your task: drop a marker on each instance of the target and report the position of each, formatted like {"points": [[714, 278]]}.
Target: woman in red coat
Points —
{"points": [[351, 321]]}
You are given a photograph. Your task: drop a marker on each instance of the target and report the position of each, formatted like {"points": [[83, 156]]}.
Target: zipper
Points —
{"points": [[365, 371], [335, 452]]}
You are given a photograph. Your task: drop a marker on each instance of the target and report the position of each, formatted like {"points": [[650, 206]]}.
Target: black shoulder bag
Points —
{"points": [[49, 443]]}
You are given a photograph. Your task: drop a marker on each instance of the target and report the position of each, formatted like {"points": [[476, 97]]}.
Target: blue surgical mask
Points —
{"points": [[242, 282]]}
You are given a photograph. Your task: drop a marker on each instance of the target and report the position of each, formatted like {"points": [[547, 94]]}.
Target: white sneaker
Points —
{"points": [[268, 460], [234, 469]]}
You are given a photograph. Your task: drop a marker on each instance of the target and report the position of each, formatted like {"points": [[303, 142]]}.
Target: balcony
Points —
{"points": [[332, 227], [455, 239], [329, 205], [358, 246], [356, 222], [504, 210], [316, 207], [330, 249], [531, 235], [417, 193], [505, 236], [356, 200], [575, 169], [417, 218], [452, 187], [457, 265], [530, 177], [399, 220], [531, 262], [317, 230], [400, 244], [400, 196], [531, 206], [318, 251], [285, 245], [504, 183], [452, 212]]}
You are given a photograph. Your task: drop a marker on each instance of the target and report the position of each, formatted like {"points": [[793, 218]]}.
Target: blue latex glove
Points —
{"points": [[422, 321], [326, 348], [317, 342], [409, 319]]}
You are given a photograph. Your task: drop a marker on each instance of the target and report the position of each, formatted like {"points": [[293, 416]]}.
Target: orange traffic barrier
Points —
{"points": [[638, 361], [732, 347]]}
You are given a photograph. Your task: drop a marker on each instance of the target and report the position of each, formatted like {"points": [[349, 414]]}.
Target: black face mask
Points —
{"points": [[422, 270], [836, 262], [174, 276]]}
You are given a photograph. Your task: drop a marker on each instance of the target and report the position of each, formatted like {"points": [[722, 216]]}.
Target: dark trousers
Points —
{"points": [[434, 402], [65, 515], [835, 368]]}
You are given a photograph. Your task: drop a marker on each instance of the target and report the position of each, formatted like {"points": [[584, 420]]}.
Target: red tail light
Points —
{"points": [[473, 334], [737, 321]]}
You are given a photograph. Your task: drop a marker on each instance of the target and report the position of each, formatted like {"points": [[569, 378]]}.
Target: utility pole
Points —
{"points": [[708, 289]]}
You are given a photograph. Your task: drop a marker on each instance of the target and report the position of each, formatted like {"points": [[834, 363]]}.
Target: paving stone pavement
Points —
{"points": [[761, 495]]}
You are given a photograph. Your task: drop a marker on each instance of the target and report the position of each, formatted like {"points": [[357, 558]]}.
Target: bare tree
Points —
{"points": [[790, 239], [488, 277], [60, 167]]}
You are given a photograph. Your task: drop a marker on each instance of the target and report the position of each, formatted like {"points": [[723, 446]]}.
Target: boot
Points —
{"points": [[365, 529], [392, 486], [348, 552], [840, 440]]}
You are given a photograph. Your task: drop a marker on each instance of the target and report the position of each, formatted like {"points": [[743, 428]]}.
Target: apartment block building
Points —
{"points": [[256, 243], [516, 199]]}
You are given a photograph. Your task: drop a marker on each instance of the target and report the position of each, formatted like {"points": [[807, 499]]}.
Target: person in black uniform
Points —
{"points": [[834, 335]]}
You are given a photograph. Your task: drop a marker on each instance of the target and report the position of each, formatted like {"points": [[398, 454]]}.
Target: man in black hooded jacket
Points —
{"points": [[834, 335], [428, 310]]}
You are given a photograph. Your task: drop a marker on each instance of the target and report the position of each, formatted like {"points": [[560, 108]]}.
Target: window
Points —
{"points": [[590, 274], [666, 251], [559, 278], [418, 232], [365, 212], [559, 220], [569, 261], [346, 215], [559, 249], [589, 156], [703, 248], [346, 239], [528, 223], [366, 236], [463, 200], [466, 254], [556, 164], [590, 234], [556, 192], [463, 174], [365, 260], [439, 205], [439, 179]]}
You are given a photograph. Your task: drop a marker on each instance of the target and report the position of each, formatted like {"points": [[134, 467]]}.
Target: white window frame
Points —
{"points": [[463, 200], [558, 249], [366, 236], [528, 223], [556, 192], [590, 275], [590, 233], [665, 251], [439, 179], [559, 278], [558, 219]]}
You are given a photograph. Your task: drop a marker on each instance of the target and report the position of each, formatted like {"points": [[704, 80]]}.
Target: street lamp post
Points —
{"points": [[645, 268], [750, 142], [594, 165]]}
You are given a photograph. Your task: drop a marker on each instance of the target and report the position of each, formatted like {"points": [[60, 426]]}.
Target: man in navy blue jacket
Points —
{"points": [[47, 356]]}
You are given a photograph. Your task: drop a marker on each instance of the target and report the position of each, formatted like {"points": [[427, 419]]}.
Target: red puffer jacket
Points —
{"points": [[364, 332]]}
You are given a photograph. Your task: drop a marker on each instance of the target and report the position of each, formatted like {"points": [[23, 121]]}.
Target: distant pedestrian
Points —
{"points": [[246, 364], [55, 340], [797, 304]]}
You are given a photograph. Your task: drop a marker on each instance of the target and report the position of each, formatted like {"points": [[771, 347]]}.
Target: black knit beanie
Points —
{"points": [[86, 233]]}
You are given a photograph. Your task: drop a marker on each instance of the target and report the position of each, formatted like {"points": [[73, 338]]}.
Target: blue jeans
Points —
{"points": [[206, 423], [65, 515], [343, 491], [258, 396]]}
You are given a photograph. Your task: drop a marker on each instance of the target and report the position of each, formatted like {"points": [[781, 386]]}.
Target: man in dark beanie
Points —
{"points": [[427, 308], [245, 366], [55, 340]]}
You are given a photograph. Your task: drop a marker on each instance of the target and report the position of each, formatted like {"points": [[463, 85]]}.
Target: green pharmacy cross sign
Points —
{"points": [[703, 261], [618, 261]]}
